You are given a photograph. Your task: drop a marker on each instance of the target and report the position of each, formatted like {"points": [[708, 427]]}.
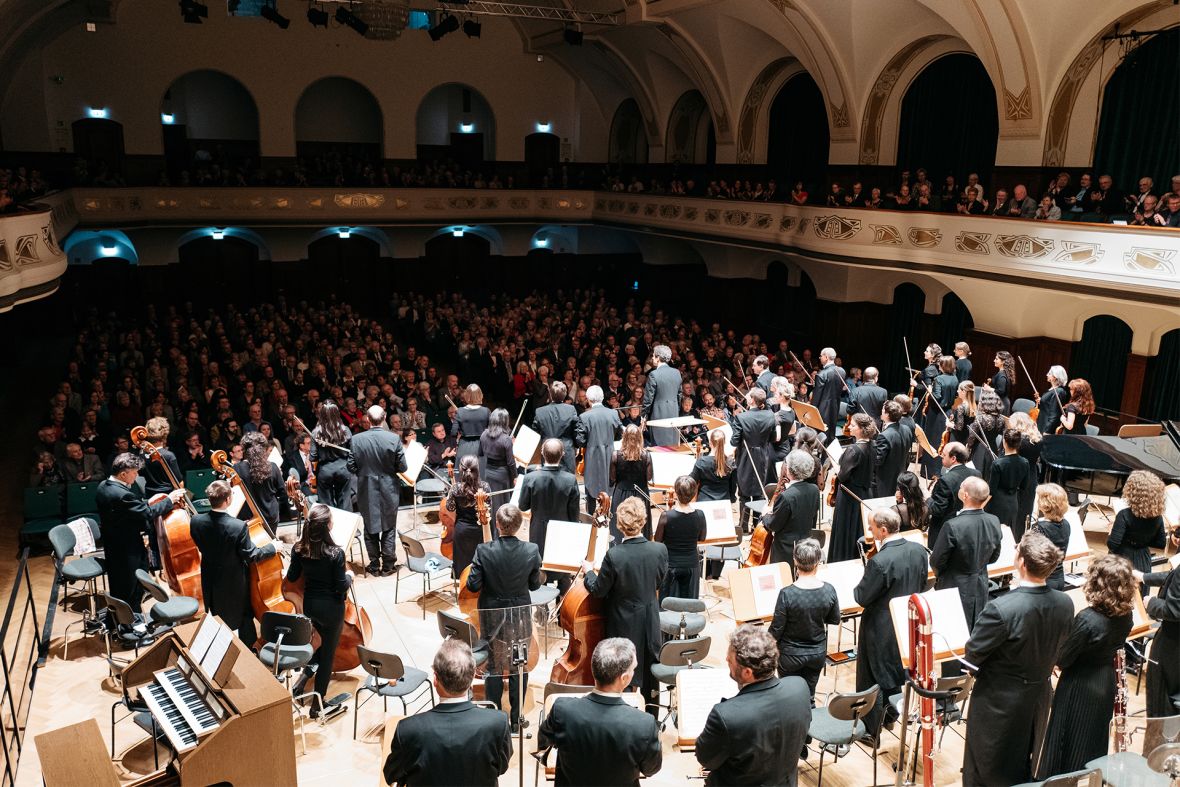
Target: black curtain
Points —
{"points": [[909, 301], [798, 140], [1140, 122], [948, 120], [1162, 400], [956, 321], [1100, 358]]}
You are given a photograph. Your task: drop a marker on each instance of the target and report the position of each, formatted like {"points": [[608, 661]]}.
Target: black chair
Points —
{"points": [[124, 625], [86, 570], [1091, 777], [840, 723], [288, 647], [677, 655], [387, 677], [168, 609], [454, 627], [683, 618], [429, 564]]}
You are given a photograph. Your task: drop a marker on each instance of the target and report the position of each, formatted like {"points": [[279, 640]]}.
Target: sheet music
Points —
{"points": [[1077, 548], [844, 576], [222, 640], [1172, 505], [834, 451], [344, 526], [1174, 560], [676, 422], [667, 466], [514, 498], [719, 524], [206, 631], [275, 458], [1006, 562], [524, 445], [950, 632], [566, 544], [237, 499], [415, 460], [697, 691]]}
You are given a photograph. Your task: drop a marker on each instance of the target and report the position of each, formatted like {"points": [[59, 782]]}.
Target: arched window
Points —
{"points": [[628, 139], [798, 139], [338, 115], [691, 138]]}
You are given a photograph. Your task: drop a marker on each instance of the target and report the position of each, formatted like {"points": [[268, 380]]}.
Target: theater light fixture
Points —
{"points": [[347, 17], [466, 128], [472, 28], [317, 16], [573, 37], [270, 12], [109, 249], [345, 233], [193, 12], [457, 232], [167, 118], [448, 24], [218, 234], [544, 128], [541, 243], [99, 113]]}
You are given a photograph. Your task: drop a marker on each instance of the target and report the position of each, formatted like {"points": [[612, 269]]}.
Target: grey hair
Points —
{"points": [[454, 666], [753, 647], [782, 386], [887, 518], [975, 489], [376, 415], [828, 351], [594, 394], [800, 464], [808, 554], [125, 461], [612, 658], [1058, 374], [871, 374], [662, 353]]}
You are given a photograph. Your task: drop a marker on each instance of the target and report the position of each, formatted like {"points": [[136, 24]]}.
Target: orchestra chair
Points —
{"points": [[1023, 405], [136, 708], [288, 647], [430, 565], [387, 677], [168, 609], [1154, 753], [682, 618], [839, 724], [1091, 430], [677, 655], [86, 570], [426, 490], [130, 628], [1141, 430], [552, 690], [540, 598], [196, 482], [43, 510], [950, 695], [451, 626], [1090, 777], [82, 500]]}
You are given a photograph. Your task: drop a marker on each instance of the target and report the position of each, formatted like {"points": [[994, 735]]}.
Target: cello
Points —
{"points": [[582, 616], [180, 560], [357, 629], [266, 575], [759, 552]]}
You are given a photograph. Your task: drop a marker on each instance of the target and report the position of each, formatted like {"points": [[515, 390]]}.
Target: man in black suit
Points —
{"points": [[661, 395], [124, 518], [629, 580], [869, 395], [550, 493], [795, 508], [829, 389], [944, 500], [455, 742], [602, 427], [505, 570], [753, 434], [226, 553], [299, 460], [966, 544], [755, 736], [898, 568], [760, 366], [891, 452], [600, 739], [560, 421], [376, 459], [1012, 651]]}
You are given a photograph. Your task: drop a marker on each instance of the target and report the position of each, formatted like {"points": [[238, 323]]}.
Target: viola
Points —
{"points": [[582, 616], [446, 518], [180, 560]]}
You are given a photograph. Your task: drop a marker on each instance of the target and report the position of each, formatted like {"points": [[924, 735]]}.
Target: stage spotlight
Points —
{"points": [[346, 17], [472, 28], [573, 37], [192, 12], [317, 16], [271, 13], [449, 24]]}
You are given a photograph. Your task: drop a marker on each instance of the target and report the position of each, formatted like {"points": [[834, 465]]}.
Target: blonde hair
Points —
{"points": [[158, 429], [474, 395], [1026, 426], [632, 516], [632, 443], [1144, 493], [1052, 502], [717, 447], [967, 393]]}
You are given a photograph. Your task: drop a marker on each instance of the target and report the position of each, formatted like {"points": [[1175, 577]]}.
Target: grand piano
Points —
{"points": [[1109, 460]]}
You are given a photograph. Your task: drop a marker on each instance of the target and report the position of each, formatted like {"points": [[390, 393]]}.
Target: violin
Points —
{"points": [[180, 560], [266, 575], [357, 629], [446, 518], [582, 616]]}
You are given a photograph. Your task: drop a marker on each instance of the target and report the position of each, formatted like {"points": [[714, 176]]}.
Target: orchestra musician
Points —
{"points": [[1009, 477], [795, 510], [333, 478], [226, 553], [631, 471], [1012, 650], [503, 572], [1140, 526], [602, 426], [763, 376], [911, 503], [630, 578], [1163, 679], [939, 401], [890, 450], [868, 397], [802, 614], [1053, 504], [456, 741], [470, 422], [713, 471], [680, 529], [559, 420], [782, 393], [962, 361], [320, 563], [897, 568], [855, 478], [461, 499], [440, 449], [755, 737], [376, 459], [550, 493], [906, 422], [661, 395], [1030, 449], [924, 382], [963, 414], [984, 435], [1002, 380], [262, 477], [1052, 401], [499, 463], [299, 460], [1078, 408], [155, 477], [124, 518], [600, 739], [829, 389], [753, 433], [944, 496]]}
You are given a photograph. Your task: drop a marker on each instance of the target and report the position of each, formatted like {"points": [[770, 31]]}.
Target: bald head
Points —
{"points": [[551, 451], [376, 415], [974, 492]]}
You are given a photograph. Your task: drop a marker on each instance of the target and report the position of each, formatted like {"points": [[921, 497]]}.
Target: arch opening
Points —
{"points": [[1100, 358], [798, 139], [210, 127], [691, 137], [337, 116], [628, 137], [455, 121]]}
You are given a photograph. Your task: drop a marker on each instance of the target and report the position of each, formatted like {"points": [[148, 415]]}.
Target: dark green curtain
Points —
{"points": [[1140, 123], [949, 123], [798, 138], [1162, 400], [905, 323], [1101, 358], [956, 321]]}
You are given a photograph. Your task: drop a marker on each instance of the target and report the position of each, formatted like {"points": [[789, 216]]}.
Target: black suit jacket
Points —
{"points": [[870, 396], [944, 498], [226, 551], [890, 455], [124, 515], [601, 740], [376, 459], [549, 493], [294, 459], [792, 519], [630, 579], [561, 421], [965, 545], [452, 743], [829, 387], [753, 433], [899, 568], [755, 736], [504, 571]]}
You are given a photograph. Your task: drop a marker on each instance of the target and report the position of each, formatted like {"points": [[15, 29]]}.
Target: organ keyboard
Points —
{"points": [[182, 705]]}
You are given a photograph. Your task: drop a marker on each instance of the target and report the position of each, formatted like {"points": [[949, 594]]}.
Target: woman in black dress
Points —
{"points": [[802, 614], [630, 467], [983, 436], [1140, 525], [470, 421], [1052, 505], [1079, 730], [1030, 449], [811, 442], [856, 473], [261, 477], [1079, 408], [333, 479], [499, 465], [1001, 381], [680, 529], [942, 390], [1163, 679], [911, 503], [962, 415], [713, 472], [461, 500], [321, 565], [962, 361], [1009, 475]]}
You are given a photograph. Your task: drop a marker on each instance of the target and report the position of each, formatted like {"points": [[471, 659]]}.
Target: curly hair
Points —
{"points": [[1110, 586], [753, 647], [1081, 395], [257, 450], [1026, 426], [1144, 493]]}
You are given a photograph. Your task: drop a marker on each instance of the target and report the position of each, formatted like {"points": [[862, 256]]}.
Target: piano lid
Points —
{"points": [[1117, 455]]}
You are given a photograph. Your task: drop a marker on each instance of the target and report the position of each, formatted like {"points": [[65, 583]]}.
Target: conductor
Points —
{"points": [[377, 457], [661, 395]]}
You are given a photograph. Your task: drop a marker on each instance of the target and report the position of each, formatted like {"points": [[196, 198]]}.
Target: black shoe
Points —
{"points": [[374, 569], [387, 571], [868, 739]]}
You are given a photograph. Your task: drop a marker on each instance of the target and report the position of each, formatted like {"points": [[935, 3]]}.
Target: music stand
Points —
{"points": [[809, 415]]}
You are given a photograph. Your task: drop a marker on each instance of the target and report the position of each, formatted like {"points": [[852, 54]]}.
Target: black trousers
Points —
{"points": [[121, 570], [806, 667], [383, 545], [327, 615], [493, 686]]}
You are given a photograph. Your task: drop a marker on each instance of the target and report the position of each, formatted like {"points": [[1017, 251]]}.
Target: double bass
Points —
{"points": [[357, 629], [180, 560], [759, 552], [582, 616], [266, 575]]}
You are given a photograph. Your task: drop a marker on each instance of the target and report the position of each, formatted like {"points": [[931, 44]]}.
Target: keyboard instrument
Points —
{"points": [[182, 705]]}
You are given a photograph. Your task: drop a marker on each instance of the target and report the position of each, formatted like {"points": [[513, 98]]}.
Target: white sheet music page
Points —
{"points": [[1006, 562], [237, 499], [766, 581], [719, 524], [698, 690], [667, 466], [566, 543], [217, 649], [204, 637], [524, 445], [950, 632], [844, 576], [415, 459]]}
